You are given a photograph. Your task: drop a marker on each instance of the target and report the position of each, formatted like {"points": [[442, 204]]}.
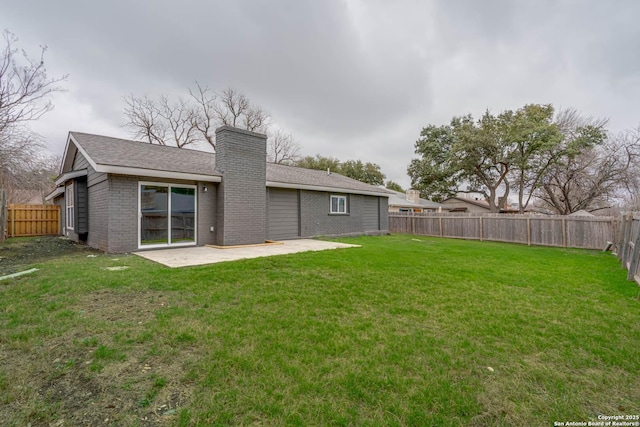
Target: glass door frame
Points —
{"points": [[169, 186]]}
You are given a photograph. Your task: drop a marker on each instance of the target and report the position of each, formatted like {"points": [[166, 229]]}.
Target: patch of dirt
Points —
{"points": [[62, 382], [19, 254]]}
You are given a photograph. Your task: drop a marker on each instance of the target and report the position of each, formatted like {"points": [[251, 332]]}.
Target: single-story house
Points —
{"points": [[582, 213], [464, 204], [119, 195], [412, 202]]}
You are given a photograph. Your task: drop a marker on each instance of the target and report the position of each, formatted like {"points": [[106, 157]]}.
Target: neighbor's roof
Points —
{"points": [[581, 212], [399, 198], [480, 203], [121, 156]]}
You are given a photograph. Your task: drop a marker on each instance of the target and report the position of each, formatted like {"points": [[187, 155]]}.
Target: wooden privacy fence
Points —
{"points": [[628, 245], [562, 231], [32, 220]]}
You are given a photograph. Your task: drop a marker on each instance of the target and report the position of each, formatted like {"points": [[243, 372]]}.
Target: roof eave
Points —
{"points": [[56, 192], [275, 184], [70, 175], [153, 173]]}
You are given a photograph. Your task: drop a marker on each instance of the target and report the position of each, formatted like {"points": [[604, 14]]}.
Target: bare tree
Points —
{"points": [[145, 119], [591, 179], [235, 109], [630, 194], [24, 85], [192, 120], [24, 91], [282, 148], [180, 120], [205, 118]]}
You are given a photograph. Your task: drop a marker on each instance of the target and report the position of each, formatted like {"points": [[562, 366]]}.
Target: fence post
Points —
{"points": [[528, 231], [634, 258], [3, 215], [626, 238], [13, 222], [481, 228], [440, 221], [564, 233], [621, 239]]}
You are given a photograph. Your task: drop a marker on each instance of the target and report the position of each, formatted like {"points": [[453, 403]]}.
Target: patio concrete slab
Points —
{"points": [[201, 255]]}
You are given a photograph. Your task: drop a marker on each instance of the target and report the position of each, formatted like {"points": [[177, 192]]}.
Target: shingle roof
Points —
{"points": [[480, 203], [311, 177], [104, 150], [399, 198]]}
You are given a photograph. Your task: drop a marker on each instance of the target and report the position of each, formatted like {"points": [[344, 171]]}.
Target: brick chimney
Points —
{"points": [[242, 195], [413, 196]]}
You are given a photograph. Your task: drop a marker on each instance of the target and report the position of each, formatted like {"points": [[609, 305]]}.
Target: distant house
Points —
{"points": [[119, 195], [463, 204], [411, 202], [582, 213]]}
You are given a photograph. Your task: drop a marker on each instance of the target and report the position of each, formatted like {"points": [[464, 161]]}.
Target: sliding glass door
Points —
{"points": [[167, 214]]}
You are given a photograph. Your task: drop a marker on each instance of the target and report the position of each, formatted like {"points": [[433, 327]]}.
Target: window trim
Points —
{"points": [[169, 186], [70, 206], [338, 197]]}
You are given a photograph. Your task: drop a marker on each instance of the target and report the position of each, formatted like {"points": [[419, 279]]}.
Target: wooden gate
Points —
{"points": [[33, 220]]}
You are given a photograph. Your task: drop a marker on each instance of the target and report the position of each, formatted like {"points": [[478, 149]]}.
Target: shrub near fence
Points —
{"points": [[563, 231]]}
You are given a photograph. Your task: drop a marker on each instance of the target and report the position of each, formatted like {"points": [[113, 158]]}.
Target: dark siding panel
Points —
{"points": [[80, 162], [81, 206], [93, 177], [370, 214], [283, 217]]}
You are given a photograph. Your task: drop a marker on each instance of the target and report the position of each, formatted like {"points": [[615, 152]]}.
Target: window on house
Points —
{"points": [[338, 205], [69, 203]]}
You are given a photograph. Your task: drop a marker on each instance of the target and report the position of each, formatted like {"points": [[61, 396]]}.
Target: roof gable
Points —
{"points": [[115, 155]]}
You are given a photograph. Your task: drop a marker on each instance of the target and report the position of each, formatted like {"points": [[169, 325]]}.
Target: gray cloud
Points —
{"points": [[349, 78]]}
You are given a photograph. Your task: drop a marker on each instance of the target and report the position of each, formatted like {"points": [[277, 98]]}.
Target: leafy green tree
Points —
{"points": [[392, 185], [356, 169], [463, 151], [433, 173], [365, 172], [319, 163], [489, 154], [536, 143]]}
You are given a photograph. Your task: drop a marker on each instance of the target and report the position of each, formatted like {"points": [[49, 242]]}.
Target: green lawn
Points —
{"points": [[403, 331]]}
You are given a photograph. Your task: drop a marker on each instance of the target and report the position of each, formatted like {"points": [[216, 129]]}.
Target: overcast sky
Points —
{"points": [[353, 79]]}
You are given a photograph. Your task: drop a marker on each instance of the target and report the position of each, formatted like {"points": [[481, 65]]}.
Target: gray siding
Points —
{"points": [[122, 210], [59, 201], [242, 199], [384, 214], [123, 213], [92, 213], [317, 221], [93, 177], [81, 208], [370, 213], [98, 236], [283, 215], [206, 213]]}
